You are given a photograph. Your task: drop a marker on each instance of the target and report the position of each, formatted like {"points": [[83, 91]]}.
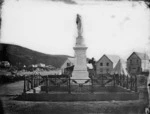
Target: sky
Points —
{"points": [[50, 27]]}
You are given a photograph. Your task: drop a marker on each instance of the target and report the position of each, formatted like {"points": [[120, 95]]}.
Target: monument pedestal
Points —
{"points": [[80, 73], [81, 77]]}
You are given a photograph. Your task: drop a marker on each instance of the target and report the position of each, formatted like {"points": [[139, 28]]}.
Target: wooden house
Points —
{"points": [[68, 63], [138, 63], [106, 64]]}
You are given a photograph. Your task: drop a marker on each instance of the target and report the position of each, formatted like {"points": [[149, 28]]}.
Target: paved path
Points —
{"points": [[12, 88]]}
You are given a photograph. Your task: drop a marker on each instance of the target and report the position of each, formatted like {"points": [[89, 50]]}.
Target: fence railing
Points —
{"points": [[32, 81], [125, 81], [64, 83]]}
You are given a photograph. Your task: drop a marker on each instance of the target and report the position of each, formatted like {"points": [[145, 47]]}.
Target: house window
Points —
{"points": [[131, 61], [107, 64], [101, 64], [68, 64]]}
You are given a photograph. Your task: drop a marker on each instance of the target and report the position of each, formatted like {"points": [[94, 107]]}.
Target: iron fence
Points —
{"points": [[64, 83], [125, 81]]}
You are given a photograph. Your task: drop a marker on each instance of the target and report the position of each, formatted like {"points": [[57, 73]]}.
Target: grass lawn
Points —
{"points": [[103, 107], [29, 107]]}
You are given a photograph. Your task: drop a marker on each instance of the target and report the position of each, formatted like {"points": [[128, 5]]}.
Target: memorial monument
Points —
{"points": [[80, 69]]}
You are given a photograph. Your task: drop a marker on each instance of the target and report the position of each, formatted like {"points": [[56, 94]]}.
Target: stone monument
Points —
{"points": [[80, 69]]}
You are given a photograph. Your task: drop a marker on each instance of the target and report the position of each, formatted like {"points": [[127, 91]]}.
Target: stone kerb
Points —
{"points": [[142, 87]]}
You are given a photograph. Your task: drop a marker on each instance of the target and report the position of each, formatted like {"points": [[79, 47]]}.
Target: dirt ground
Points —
{"points": [[15, 88]]}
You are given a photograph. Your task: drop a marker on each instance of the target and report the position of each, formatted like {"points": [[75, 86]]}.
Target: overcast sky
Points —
{"points": [[108, 27]]}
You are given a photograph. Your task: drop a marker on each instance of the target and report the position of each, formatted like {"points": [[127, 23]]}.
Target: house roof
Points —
{"points": [[142, 56], [102, 57], [68, 59], [72, 60], [114, 59]]}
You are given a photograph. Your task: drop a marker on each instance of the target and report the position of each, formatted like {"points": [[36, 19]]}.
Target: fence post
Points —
{"points": [[120, 80], [46, 84], [69, 89], [102, 81], [32, 82], [123, 82], [34, 91], [135, 83], [92, 89], [36, 81], [28, 84], [24, 89], [55, 79], [114, 79], [127, 82], [39, 79], [131, 83]]}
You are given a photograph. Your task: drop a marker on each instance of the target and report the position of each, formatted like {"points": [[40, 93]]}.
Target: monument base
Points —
{"points": [[80, 77]]}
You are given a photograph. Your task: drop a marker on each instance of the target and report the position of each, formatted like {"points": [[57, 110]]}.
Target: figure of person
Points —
{"points": [[79, 24]]}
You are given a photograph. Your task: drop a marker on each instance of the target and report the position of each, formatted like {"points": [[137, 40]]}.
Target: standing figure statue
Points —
{"points": [[79, 25]]}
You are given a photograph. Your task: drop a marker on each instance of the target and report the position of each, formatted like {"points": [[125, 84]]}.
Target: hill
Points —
{"points": [[20, 56]]}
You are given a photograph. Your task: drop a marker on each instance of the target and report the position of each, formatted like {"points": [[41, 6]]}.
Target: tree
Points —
{"points": [[92, 61]]}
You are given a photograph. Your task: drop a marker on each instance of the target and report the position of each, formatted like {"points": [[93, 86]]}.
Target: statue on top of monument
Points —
{"points": [[79, 25]]}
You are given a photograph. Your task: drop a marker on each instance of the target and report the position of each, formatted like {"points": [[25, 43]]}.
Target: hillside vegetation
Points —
{"points": [[20, 56]]}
